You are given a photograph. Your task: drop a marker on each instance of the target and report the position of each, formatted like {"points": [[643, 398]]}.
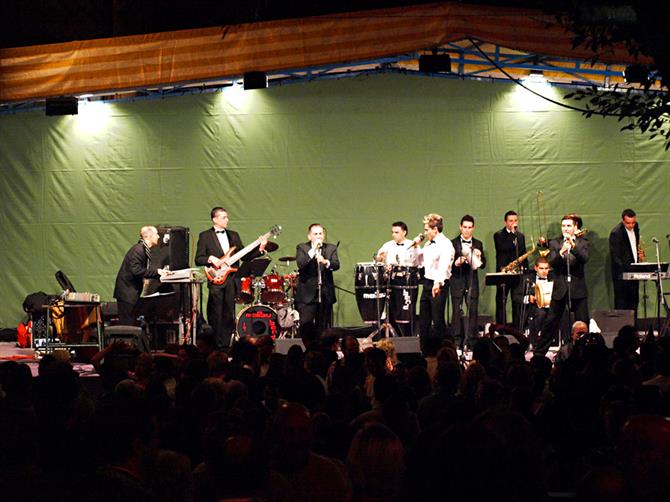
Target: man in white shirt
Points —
{"points": [[624, 244], [399, 250], [436, 256]]}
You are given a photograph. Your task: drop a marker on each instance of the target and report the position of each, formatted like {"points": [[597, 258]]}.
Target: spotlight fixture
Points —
{"points": [[536, 77], [255, 80], [636, 74], [435, 63], [64, 105]]}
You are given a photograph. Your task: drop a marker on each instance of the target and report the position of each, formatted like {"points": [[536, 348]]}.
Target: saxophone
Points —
{"points": [[514, 266]]}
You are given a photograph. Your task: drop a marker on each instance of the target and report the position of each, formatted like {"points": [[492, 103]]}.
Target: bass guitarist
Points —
{"points": [[214, 246]]}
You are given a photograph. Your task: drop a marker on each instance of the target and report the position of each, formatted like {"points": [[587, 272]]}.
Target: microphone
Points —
{"points": [[667, 236], [654, 240], [421, 237]]}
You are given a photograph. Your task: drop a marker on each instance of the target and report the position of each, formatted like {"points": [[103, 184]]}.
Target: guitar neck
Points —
{"points": [[247, 249]]}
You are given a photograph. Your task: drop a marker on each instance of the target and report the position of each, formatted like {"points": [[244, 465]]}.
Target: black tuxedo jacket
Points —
{"points": [[461, 275], [209, 245], [578, 257], [621, 253], [527, 285], [131, 275], [307, 290], [506, 251]]}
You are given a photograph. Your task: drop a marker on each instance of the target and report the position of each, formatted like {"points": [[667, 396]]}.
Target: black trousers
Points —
{"points": [[125, 310], [431, 311], [501, 312], [556, 308], [626, 294], [464, 310], [319, 314], [221, 312]]}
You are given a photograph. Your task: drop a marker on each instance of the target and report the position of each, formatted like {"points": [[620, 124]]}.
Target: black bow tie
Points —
{"points": [[541, 278], [220, 231], [465, 242], [399, 244]]}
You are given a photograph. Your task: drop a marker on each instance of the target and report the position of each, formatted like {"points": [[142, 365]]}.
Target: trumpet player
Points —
{"points": [[624, 250], [469, 257], [567, 256], [510, 244]]}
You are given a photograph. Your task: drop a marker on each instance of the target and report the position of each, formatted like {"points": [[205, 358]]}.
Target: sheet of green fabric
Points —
{"points": [[354, 154]]}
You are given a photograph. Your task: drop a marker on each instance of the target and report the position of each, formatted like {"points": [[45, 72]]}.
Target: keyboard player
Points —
{"points": [[624, 243]]}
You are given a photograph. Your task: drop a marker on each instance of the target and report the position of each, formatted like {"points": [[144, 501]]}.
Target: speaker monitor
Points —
{"points": [[132, 335], [611, 321], [173, 247]]}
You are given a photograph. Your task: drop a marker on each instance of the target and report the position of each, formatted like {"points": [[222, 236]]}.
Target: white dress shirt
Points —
{"points": [[223, 240], [633, 243], [400, 254], [437, 257]]}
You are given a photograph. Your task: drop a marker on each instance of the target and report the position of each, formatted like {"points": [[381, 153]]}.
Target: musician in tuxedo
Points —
{"points": [[135, 268], [464, 284], [624, 245], [568, 256], [315, 292], [212, 245], [540, 281], [510, 244]]}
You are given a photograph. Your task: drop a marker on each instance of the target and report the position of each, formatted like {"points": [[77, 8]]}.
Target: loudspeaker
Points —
{"points": [[435, 63], [65, 105], [132, 335], [173, 247], [611, 321]]}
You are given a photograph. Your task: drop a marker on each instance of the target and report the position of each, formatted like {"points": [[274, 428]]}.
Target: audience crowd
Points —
{"points": [[334, 423]]}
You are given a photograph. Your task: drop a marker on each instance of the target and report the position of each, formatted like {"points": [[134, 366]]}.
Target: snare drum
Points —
{"points": [[246, 294], [257, 320], [273, 289], [370, 301]]}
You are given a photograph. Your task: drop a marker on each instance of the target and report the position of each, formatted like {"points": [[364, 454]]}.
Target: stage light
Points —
{"points": [[255, 80], [536, 77], [435, 63], [64, 105]]}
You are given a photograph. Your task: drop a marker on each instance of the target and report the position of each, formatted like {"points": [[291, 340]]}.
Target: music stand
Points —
{"points": [[255, 267], [505, 279]]}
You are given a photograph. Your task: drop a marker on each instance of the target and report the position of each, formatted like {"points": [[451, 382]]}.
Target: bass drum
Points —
{"points": [[257, 320]]}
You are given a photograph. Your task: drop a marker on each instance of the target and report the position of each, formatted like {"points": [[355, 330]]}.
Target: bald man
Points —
{"points": [[135, 268]]}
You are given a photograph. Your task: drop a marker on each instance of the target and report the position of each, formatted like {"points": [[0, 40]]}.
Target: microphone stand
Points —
{"points": [[468, 293], [319, 283], [569, 281], [659, 288]]}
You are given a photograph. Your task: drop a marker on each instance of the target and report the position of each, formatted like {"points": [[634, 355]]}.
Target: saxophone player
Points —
{"points": [[510, 244], [567, 256], [624, 243]]}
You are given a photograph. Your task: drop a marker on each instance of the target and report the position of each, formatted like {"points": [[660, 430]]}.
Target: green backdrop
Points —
{"points": [[355, 154]]}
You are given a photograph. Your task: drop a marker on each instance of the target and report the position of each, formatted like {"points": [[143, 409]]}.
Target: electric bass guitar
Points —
{"points": [[218, 275]]}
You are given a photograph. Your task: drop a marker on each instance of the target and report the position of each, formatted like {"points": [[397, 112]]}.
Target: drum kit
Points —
{"points": [[269, 298], [386, 291]]}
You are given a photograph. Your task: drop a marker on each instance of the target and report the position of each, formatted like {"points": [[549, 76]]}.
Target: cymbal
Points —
{"points": [[271, 246], [287, 258]]}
